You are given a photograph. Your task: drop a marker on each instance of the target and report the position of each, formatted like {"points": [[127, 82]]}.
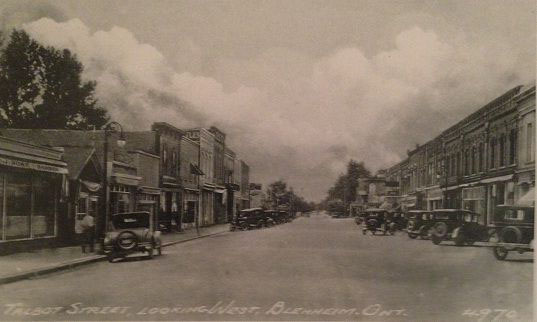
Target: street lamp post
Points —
{"points": [[109, 128]]}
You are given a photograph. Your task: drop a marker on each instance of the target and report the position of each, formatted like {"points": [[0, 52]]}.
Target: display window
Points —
{"points": [[28, 205]]}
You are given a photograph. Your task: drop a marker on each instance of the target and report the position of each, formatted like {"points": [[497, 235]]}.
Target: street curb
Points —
{"points": [[79, 262]]}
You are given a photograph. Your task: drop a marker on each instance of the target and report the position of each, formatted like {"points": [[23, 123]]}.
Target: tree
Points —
{"points": [[41, 87], [345, 187]]}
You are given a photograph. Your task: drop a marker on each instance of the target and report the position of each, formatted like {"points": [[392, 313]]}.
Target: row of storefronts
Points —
{"points": [[50, 179], [485, 160]]}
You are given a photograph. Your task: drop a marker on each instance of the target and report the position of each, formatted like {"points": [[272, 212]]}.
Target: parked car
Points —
{"points": [[270, 218], [377, 220], [459, 225], [514, 226], [339, 215], [360, 217], [132, 232], [249, 219], [419, 223]]}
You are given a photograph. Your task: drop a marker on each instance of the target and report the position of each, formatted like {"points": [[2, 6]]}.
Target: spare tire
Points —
{"points": [[440, 229], [511, 234], [127, 240]]}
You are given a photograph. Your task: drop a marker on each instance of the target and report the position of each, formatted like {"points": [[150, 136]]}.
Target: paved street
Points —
{"points": [[315, 268]]}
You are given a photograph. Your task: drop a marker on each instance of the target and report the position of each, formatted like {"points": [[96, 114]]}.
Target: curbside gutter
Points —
{"points": [[79, 262]]}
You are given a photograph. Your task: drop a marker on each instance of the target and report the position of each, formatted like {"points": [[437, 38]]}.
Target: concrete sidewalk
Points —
{"points": [[24, 265]]}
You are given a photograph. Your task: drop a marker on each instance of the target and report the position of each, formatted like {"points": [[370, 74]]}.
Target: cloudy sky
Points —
{"points": [[300, 87]]}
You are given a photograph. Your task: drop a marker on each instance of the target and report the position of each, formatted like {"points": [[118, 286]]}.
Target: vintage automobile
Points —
{"points": [[249, 219], [458, 225], [514, 226], [131, 232], [419, 223], [378, 220], [360, 217]]}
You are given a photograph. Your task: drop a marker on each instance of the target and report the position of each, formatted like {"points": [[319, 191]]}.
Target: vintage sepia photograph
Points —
{"points": [[267, 160]]}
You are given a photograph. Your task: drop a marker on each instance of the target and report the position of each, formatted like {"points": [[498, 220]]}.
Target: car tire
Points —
{"points": [[460, 240], [260, 224], [412, 236], [440, 229], [500, 253], [511, 234], [150, 252], [127, 235], [436, 240], [111, 256], [244, 226]]}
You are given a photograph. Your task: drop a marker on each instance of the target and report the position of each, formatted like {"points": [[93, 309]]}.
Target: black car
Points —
{"points": [[458, 225], [419, 223], [249, 219], [131, 232], [378, 220], [514, 226]]}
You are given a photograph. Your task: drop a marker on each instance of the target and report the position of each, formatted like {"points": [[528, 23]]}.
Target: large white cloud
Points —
{"points": [[291, 115]]}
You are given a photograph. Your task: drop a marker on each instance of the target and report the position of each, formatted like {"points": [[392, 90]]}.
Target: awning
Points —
{"points": [[219, 190], [527, 200], [91, 186], [497, 179], [194, 169]]}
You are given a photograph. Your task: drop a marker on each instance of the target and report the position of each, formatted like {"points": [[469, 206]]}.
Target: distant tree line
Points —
{"points": [[344, 191], [41, 87], [279, 195]]}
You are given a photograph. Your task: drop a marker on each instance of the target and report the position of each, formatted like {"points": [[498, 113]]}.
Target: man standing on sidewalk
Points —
{"points": [[88, 231]]}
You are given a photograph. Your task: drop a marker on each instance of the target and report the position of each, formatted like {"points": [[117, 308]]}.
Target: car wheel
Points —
{"points": [[436, 240], [159, 248], [244, 226], [111, 256], [413, 236], [259, 224], [500, 252], [459, 240], [150, 252], [470, 242]]}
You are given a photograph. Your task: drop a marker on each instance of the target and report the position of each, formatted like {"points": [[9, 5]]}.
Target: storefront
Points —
{"points": [[434, 198], [32, 185], [190, 206], [207, 206], [500, 191], [474, 199], [408, 203], [453, 197]]}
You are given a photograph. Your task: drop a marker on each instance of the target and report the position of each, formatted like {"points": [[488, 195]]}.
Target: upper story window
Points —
{"points": [[492, 153], [529, 143], [164, 158], [502, 151], [481, 157], [512, 146], [474, 160]]}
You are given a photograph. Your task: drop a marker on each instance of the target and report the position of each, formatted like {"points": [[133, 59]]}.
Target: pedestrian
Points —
{"points": [[88, 233]]}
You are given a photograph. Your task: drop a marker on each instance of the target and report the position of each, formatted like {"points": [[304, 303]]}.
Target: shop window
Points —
{"points": [[502, 151], [18, 206], [512, 146], [44, 207]]}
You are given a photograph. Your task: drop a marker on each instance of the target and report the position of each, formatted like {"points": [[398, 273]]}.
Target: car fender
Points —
{"points": [[455, 232], [157, 235]]}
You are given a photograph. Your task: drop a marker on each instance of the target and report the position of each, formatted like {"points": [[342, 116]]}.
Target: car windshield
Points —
{"points": [[131, 220], [442, 216], [469, 217]]}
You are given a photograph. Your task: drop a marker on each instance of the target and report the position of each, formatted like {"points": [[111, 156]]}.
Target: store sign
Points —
{"points": [[31, 165]]}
